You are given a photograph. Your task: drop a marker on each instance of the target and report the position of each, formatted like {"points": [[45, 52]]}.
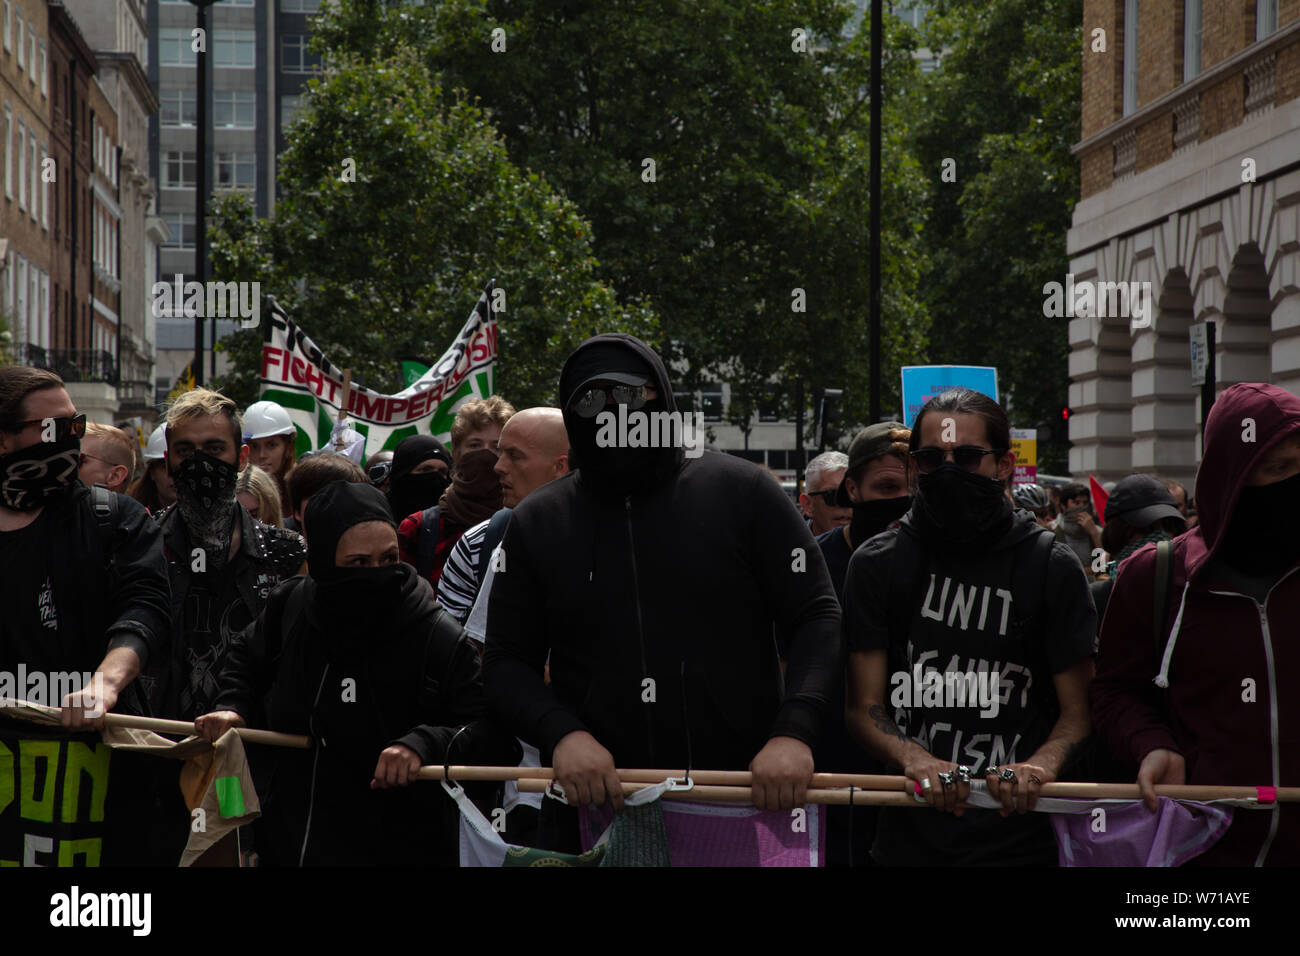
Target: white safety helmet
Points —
{"points": [[264, 419], [156, 449]]}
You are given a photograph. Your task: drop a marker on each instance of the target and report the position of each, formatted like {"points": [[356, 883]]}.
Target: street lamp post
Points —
{"points": [[201, 181]]}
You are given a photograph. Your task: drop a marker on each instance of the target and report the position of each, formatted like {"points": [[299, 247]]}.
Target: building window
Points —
{"points": [[45, 72], [33, 149], [1265, 18], [18, 27], [22, 164], [239, 3], [7, 11], [290, 104], [685, 401], [299, 6], [174, 48], [179, 170], [767, 411], [235, 171], [711, 401], [178, 108], [31, 53], [9, 151], [1191, 39], [234, 49], [1130, 56], [181, 225], [294, 55], [234, 109], [45, 190]]}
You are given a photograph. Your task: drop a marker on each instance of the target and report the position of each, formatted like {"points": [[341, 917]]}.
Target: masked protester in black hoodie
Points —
{"points": [[970, 632], [652, 565], [421, 473], [357, 655]]}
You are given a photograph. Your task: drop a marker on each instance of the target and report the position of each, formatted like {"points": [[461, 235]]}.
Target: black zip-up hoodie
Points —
{"points": [[413, 683], [641, 598]]}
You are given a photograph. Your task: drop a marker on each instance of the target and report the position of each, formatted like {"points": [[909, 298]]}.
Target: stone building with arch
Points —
{"points": [[1190, 180]]}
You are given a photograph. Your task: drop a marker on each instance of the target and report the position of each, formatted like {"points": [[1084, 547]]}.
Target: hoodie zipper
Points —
{"points": [[1262, 609], [315, 760], [640, 631]]}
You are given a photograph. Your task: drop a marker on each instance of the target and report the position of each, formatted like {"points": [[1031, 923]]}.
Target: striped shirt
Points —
{"points": [[458, 586]]}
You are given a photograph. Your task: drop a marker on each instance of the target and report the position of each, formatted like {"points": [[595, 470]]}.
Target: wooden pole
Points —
{"points": [[533, 780], [247, 734], [343, 407]]}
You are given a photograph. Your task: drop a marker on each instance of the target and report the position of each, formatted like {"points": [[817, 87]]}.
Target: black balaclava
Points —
{"points": [[870, 518], [959, 508], [33, 476], [611, 472], [205, 496], [408, 493], [1263, 536], [350, 602]]}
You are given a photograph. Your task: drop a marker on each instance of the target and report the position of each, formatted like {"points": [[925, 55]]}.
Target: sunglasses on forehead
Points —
{"points": [[63, 427], [590, 402], [963, 456]]}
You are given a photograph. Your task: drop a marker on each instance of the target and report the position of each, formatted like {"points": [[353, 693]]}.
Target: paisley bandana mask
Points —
{"points": [[205, 495]]}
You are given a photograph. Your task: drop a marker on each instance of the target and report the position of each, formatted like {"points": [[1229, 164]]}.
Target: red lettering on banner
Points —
{"points": [[491, 331], [271, 356], [417, 405], [395, 405], [365, 405], [296, 369], [315, 380]]}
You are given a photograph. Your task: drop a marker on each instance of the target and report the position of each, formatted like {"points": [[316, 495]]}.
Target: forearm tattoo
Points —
{"points": [[884, 723]]}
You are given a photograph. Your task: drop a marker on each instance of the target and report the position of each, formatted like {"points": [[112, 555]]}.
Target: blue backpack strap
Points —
{"points": [[496, 530], [426, 542]]}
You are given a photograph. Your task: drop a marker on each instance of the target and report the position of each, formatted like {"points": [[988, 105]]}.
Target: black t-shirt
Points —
{"points": [[29, 625], [971, 680], [837, 552]]}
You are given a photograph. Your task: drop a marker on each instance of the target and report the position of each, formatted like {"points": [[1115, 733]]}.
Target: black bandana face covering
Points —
{"points": [[961, 508], [205, 495], [870, 518], [29, 477]]}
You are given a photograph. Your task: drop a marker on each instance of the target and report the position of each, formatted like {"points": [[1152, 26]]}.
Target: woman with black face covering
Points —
{"points": [[357, 655], [421, 473]]}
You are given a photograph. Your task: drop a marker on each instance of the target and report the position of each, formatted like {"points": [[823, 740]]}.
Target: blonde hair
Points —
{"points": [[256, 482], [479, 413], [201, 403], [117, 447]]}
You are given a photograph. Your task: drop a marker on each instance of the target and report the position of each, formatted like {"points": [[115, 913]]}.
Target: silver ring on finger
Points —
{"points": [[1008, 774], [992, 770], [963, 774], [945, 778], [925, 784]]}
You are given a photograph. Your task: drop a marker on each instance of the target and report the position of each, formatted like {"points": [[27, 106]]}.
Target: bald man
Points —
{"points": [[534, 449]]}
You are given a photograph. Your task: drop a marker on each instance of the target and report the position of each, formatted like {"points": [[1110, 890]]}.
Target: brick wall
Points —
{"points": [[1288, 72], [1160, 43], [1227, 26], [1102, 85], [1287, 11], [1155, 141], [1221, 106], [1096, 170]]}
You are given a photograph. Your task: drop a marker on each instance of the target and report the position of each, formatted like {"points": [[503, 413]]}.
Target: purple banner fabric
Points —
{"points": [[710, 834], [1127, 834]]}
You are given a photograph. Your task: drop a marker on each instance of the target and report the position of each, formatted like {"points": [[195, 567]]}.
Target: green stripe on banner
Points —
{"points": [[230, 797], [484, 380], [440, 424]]}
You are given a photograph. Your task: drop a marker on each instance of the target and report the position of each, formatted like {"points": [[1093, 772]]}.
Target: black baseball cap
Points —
{"points": [[868, 445], [1141, 500]]}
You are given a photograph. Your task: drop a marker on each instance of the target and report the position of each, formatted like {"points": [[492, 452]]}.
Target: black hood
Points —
{"points": [[666, 461]]}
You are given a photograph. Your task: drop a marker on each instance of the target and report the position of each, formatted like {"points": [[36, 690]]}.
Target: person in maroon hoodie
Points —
{"points": [[1211, 707]]}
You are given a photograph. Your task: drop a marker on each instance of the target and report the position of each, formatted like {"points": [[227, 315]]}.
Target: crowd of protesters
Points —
{"points": [[504, 601]]}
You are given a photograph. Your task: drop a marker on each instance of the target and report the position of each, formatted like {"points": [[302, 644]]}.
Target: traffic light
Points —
{"points": [[830, 413], [1065, 413]]}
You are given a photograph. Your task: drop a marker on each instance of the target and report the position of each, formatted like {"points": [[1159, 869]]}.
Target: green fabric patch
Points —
{"points": [[528, 856], [230, 797]]}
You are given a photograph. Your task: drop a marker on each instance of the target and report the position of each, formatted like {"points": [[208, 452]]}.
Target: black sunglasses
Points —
{"points": [[63, 427], [592, 401], [964, 456], [827, 496], [378, 472]]}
